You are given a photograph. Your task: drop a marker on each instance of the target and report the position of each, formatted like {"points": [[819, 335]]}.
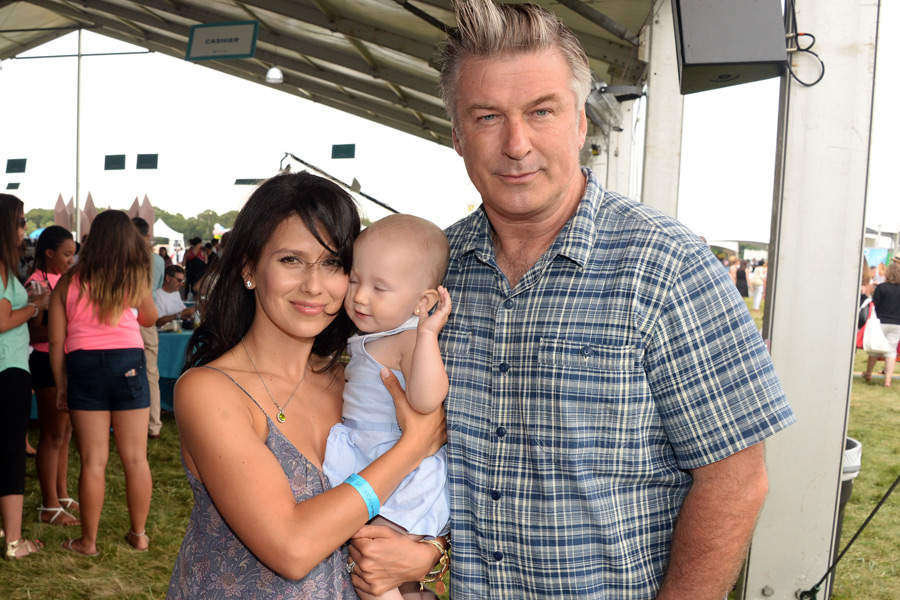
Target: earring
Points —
{"points": [[249, 284], [417, 311]]}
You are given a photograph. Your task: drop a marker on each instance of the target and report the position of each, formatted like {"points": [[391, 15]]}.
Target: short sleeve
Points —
{"points": [[708, 369]]}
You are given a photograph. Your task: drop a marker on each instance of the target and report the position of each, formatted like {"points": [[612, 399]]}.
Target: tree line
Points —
{"points": [[200, 226]]}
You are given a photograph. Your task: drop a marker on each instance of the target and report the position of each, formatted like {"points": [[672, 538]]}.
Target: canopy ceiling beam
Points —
{"points": [[366, 33], [19, 48], [316, 50], [434, 22], [284, 61], [406, 122], [598, 18], [597, 47], [399, 118]]}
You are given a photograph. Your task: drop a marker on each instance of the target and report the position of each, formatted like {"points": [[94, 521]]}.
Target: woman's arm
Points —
{"points": [[10, 317], [58, 323], [147, 311], [386, 558], [250, 489]]}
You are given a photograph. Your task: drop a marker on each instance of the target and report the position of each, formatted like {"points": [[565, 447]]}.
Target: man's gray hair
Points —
{"points": [[489, 30]]}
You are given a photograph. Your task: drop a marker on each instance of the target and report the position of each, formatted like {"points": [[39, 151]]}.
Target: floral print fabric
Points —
{"points": [[213, 563]]}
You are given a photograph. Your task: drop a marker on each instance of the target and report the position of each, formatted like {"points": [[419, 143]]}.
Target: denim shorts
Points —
{"points": [[107, 379], [41, 373]]}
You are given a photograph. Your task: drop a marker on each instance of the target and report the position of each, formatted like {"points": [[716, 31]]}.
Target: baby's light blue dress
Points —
{"points": [[421, 503]]}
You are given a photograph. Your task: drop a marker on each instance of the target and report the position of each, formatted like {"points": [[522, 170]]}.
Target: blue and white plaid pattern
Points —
{"points": [[579, 400]]}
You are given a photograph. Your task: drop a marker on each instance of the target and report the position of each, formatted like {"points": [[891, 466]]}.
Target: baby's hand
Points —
{"points": [[434, 322]]}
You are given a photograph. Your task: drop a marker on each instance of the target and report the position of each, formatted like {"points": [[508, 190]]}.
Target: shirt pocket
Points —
{"points": [[590, 404], [555, 353], [456, 350]]}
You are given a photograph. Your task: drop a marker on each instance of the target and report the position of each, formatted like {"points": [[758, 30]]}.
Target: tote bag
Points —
{"points": [[873, 337]]}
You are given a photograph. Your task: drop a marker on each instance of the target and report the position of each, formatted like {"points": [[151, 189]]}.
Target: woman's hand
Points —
{"points": [[62, 399], [386, 558], [41, 299], [430, 431]]}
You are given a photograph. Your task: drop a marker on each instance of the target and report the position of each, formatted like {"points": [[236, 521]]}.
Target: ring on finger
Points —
{"points": [[350, 566]]}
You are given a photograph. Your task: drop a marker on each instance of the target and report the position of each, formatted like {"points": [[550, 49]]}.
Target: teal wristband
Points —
{"points": [[368, 494]]}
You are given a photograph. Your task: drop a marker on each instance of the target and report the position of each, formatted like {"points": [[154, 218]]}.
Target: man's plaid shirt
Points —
{"points": [[580, 399]]}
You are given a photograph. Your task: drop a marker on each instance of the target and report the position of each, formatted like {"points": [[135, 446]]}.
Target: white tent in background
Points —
{"points": [[161, 230]]}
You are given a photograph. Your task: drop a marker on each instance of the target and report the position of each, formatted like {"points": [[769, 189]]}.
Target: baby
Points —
{"points": [[398, 264]]}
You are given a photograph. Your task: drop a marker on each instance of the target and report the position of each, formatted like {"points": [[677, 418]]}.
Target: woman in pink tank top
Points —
{"points": [[97, 358]]}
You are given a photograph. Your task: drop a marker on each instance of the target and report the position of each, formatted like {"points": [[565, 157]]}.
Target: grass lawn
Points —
{"points": [[870, 571]]}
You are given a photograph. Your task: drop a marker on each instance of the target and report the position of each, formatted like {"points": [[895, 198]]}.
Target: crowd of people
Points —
{"points": [[748, 276], [603, 439], [78, 330]]}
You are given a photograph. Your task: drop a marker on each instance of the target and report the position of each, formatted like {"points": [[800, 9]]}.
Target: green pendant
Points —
{"points": [[281, 417]]}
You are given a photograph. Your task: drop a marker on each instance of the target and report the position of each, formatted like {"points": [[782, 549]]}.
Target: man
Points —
{"points": [[149, 334], [609, 393], [168, 299]]}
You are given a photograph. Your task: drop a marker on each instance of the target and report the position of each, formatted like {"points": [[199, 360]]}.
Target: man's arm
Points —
{"points": [[715, 525], [179, 311], [183, 314]]}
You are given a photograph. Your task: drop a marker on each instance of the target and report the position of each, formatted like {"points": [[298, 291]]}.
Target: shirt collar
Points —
{"points": [[577, 237], [574, 241]]}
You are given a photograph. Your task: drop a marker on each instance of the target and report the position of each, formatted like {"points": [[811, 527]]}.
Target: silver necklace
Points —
{"points": [[281, 417]]}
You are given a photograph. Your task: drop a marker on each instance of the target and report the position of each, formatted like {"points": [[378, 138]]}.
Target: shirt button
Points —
{"points": [[501, 431], [495, 495], [509, 304], [586, 351], [504, 367], [498, 556]]}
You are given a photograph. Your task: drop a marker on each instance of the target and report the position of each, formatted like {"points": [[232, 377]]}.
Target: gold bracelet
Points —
{"points": [[436, 574]]}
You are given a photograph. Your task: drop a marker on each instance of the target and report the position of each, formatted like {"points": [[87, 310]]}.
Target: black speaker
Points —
{"points": [[728, 42]]}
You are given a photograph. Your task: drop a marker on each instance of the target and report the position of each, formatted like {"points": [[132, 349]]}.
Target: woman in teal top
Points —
{"points": [[16, 309]]}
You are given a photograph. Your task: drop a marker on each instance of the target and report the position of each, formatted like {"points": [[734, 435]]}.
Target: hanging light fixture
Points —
{"points": [[274, 74]]}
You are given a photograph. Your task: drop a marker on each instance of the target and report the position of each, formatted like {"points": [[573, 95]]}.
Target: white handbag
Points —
{"points": [[874, 341]]}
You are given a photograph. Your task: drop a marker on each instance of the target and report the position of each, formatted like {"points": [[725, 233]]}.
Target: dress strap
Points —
{"points": [[237, 384]]}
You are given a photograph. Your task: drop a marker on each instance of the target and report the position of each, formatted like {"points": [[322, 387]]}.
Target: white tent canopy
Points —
{"points": [[161, 230]]}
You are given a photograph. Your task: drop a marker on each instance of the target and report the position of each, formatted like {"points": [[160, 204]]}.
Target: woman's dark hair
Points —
{"points": [[51, 239], [10, 243], [229, 307]]}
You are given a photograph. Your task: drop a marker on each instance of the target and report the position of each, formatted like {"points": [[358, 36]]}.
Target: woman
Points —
{"points": [[740, 278], [194, 266], [886, 299], [54, 254], [758, 284], [262, 393], [16, 308], [164, 252], [102, 378]]}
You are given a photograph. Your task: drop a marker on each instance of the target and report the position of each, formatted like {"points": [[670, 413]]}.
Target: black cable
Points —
{"points": [[812, 593], [790, 27]]}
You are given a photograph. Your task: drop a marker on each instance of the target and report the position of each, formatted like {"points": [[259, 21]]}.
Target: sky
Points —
{"points": [[210, 129]]}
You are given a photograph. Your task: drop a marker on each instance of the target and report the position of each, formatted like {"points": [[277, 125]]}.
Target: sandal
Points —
{"points": [[30, 547], [67, 545], [57, 513], [68, 502], [131, 535], [867, 376]]}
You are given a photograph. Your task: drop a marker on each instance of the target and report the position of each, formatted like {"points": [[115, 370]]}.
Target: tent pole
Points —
{"points": [[77, 215]]}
